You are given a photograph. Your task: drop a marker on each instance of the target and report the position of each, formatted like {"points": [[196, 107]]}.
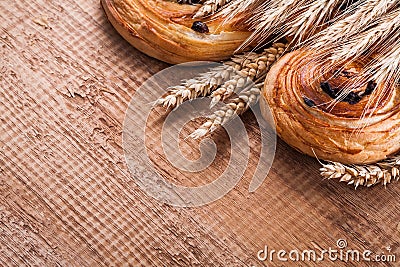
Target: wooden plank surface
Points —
{"points": [[68, 199]]}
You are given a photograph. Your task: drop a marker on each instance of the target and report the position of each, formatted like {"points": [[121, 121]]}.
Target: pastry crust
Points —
{"points": [[162, 29], [308, 119]]}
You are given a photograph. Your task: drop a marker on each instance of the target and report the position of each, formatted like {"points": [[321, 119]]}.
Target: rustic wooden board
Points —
{"points": [[67, 197]]}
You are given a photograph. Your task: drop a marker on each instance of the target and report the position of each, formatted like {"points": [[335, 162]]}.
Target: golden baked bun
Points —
{"points": [[300, 94], [163, 30]]}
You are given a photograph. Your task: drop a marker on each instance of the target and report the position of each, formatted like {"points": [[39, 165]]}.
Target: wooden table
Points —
{"points": [[68, 199]]}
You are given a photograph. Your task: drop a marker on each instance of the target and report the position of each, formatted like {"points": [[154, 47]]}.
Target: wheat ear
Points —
{"points": [[253, 66], [202, 85], [352, 22], [248, 64], [382, 172], [209, 7], [237, 9], [299, 19], [249, 67], [235, 106], [190, 89], [380, 34], [230, 87]]}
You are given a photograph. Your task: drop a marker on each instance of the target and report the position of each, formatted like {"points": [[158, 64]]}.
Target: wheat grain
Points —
{"points": [[267, 18], [239, 74], [204, 84], [385, 66]]}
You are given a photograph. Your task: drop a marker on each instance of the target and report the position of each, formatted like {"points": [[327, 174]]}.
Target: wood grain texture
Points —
{"points": [[67, 197]]}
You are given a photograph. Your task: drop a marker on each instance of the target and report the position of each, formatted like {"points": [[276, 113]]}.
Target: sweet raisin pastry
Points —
{"points": [[300, 93], [166, 30]]}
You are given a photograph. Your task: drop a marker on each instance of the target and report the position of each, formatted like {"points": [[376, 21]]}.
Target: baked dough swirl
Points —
{"points": [[300, 93], [166, 30]]}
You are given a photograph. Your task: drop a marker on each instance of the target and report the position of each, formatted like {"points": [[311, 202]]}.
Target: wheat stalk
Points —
{"points": [[232, 108], [209, 7], [383, 172]]}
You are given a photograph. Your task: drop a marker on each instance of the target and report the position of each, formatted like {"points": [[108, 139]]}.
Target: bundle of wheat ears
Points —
{"points": [[328, 69]]}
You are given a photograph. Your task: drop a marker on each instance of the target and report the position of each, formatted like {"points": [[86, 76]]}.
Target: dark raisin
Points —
{"points": [[370, 88], [200, 27], [326, 87], [309, 102], [352, 98]]}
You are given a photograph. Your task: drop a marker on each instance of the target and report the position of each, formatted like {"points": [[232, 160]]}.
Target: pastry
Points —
{"points": [[166, 30], [301, 95]]}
